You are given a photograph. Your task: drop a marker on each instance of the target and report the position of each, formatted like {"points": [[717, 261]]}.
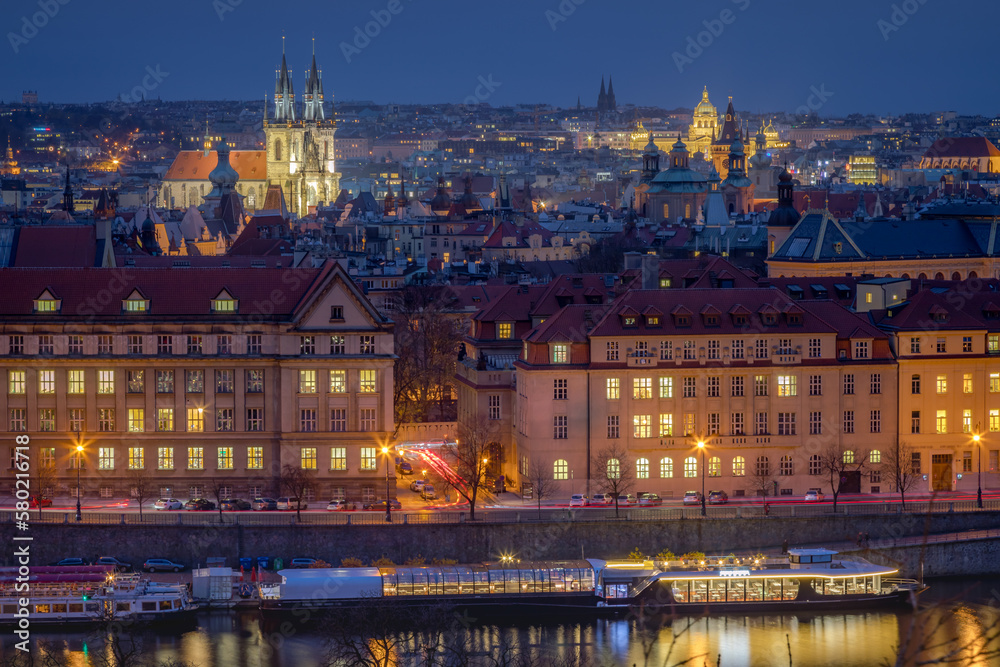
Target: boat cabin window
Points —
{"points": [[42, 608], [58, 608], [10, 609], [149, 606], [123, 606], [811, 558], [93, 606], [75, 608]]}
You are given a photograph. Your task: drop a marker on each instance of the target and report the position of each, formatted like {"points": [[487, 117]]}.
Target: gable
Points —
{"points": [[335, 290]]}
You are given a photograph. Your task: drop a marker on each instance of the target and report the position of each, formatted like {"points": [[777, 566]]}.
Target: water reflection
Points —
{"points": [[849, 640]]}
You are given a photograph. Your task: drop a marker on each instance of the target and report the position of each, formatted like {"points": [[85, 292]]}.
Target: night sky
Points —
{"points": [[839, 56]]}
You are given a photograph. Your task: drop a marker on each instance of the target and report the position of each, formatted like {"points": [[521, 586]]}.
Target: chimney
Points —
{"points": [[633, 260], [650, 265]]}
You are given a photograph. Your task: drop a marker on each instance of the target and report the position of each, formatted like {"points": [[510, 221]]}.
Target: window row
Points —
{"points": [[785, 386], [970, 424], [738, 349], [940, 345], [662, 425], [170, 344], [164, 381], [940, 385], [309, 381], [164, 420]]}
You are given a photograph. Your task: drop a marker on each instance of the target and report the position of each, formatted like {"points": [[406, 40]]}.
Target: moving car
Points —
{"points": [[168, 504], [649, 500], [404, 468], [417, 484], [262, 504], [602, 499], [72, 561], [814, 496], [199, 504], [692, 498], [235, 504], [121, 566], [285, 503], [380, 505], [35, 501], [303, 562], [578, 500], [718, 497], [427, 492], [337, 505], [162, 565]]}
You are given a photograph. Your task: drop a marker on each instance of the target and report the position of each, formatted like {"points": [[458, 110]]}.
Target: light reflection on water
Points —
{"points": [[848, 640]]}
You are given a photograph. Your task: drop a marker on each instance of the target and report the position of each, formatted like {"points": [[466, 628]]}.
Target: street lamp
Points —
{"points": [[979, 484], [388, 505], [701, 446], [79, 463]]}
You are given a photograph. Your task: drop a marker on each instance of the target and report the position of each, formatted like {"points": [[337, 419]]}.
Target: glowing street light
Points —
{"points": [[701, 446], [979, 485], [79, 464], [388, 505]]}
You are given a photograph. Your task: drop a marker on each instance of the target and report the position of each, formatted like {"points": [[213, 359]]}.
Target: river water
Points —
{"points": [[959, 609]]}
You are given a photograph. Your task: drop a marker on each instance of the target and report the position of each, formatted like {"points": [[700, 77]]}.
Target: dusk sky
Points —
{"points": [[770, 55]]}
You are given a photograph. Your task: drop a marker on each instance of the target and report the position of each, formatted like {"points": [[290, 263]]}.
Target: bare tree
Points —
{"points": [[612, 471], [761, 476], [543, 484], [838, 463], [140, 486], [220, 491], [45, 481], [476, 443], [295, 481], [897, 466]]}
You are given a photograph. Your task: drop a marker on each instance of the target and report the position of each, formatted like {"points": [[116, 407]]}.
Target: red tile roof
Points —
{"points": [[962, 147], [69, 246], [195, 165]]}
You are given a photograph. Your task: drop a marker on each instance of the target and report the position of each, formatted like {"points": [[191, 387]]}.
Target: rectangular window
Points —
{"points": [[134, 344], [74, 344], [815, 423], [165, 458], [77, 420], [46, 419], [712, 387], [46, 344], [106, 420], [876, 421], [505, 330], [195, 420], [338, 419], [689, 349], [815, 348], [915, 384], [560, 353], [736, 349], [195, 381], [17, 382], [194, 344], [787, 385], [307, 345], [224, 419], [994, 461], [136, 382], [367, 381], [736, 385], [614, 427], [47, 457], [493, 403], [713, 349], [642, 426], [559, 389], [666, 425], [995, 420], [690, 388], [16, 344], [613, 389], [165, 344], [307, 458], [136, 420], [368, 419], [224, 344], [164, 419], [760, 385], [666, 387], [225, 458], [255, 381], [106, 458], [560, 427], [942, 384], [848, 421], [966, 421], [994, 383], [224, 381], [136, 458], [642, 388], [76, 385], [611, 350], [786, 423], [105, 344], [993, 343], [338, 458], [690, 423], [254, 343], [849, 383], [760, 424], [307, 420], [966, 343], [196, 458], [760, 349], [967, 383], [876, 383], [967, 461], [915, 421], [164, 382], [338, 344], [255, 419], [367, 344], [860, 349], [255, 458], [714, 423], [666, 351], [942, 346], [338, 382], [46, 382], [942, 421], [307, 382], [736, 425], [914, 346], [815, 385], [368, 460], [915, 466]]}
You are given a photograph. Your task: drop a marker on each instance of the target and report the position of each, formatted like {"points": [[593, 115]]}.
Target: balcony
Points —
{"points": [[786, 356], [641, 360]]}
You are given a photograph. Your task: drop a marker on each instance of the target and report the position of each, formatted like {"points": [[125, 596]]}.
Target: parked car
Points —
{"points": [[417, 484], [302, 562], [162, 565], [337, 505], [235, 504], [814, 496], [627, 499], [718, 497], [380, 505], [66, 562], [199, 504], [35, 501], [121, 566], [286, 503], [262, 504], [650, 499], [168, 504], [404, 468], [692, 498], [602, 499], [578, 500], [427, 492]]}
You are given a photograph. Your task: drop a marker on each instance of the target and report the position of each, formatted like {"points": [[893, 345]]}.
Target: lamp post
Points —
{"points": [[388, 505], [79, 463], [979, 475], [701, 446]]}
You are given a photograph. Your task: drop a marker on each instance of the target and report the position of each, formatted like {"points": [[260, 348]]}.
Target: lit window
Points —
{"points": [[942, 384], [613, 469], [666, 467], [307, 382], [46, 382], [642, 426], [225, 458], [560, 353], [368, 460], [308, 458], [76, 382], [942, 421], [338, 458], [136, 458], [136, 420], [739, 466], [642, 388], [642, 469], [135, 305], [613, 389], [46, 306], [196, 458], [560, 469], [967, 383], [505, 330], [666, 387], [195, 420], [106, 458], [367, 381], [255, 458], [666, 425], [787, 385], [17, 382], [165, 458], [690, 467], [224, 305]]}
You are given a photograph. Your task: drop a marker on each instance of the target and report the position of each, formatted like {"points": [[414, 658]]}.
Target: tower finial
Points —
{"points": [[282, 42], [314, 46]]}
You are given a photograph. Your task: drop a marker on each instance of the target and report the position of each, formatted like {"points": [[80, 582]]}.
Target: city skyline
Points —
{"points": [[735, 47]]}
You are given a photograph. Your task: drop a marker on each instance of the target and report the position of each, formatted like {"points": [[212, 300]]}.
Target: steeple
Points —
{"points": [[861, 212], [284, 92], [602, 98], [68, 194], [650, 161], [312, 108], [612, 103], [390, 200]]}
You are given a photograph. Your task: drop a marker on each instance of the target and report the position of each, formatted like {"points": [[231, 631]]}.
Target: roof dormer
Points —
{"points": [[47, 302], [224, 302], [768, 315], [682, 316], [135, 304], [740, 314], [793, 314], [653, 316], [711, 316], [629, 317], [938, 313]]}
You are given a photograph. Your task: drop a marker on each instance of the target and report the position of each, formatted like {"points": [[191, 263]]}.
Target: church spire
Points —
{"points": [[68, 194]]}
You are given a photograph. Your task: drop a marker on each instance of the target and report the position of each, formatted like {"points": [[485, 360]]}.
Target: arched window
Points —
{"points": [[714, 467], [614, 469], [785, 469], [690, 467], [973, 274], [956, 275], [815, 465], [739, 466], [642, 469], [905, 276], [875, 456], [938, 276], [763, 466], [849, 456], [560, 469], [277, 150], [922, 276], [666, 467]]}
